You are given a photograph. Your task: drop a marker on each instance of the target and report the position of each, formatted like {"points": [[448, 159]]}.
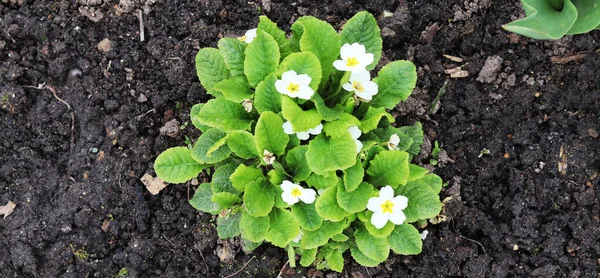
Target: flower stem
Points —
{"points": [[291, 255]]}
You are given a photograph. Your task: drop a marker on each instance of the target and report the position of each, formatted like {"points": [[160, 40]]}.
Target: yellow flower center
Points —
{"points": [[358, 86], [296, 192], [242, 38], [293, 88], [386, 207], [351, 62]]}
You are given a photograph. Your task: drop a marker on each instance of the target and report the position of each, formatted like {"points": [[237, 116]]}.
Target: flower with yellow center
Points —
{"points": [[249, 36], [360, 83], [292, 193], [295, 85], [354, 58], [387, 207]]}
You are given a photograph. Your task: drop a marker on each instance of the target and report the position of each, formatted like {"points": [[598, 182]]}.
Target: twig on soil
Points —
{"points": [[168, 240], [139, 16], [282, 268], [246, 264], [54, 91], [204, 260], [474, 241], [569, 57], [148, 112]]}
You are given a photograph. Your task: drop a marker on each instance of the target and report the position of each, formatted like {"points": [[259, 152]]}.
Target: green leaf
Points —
{"points": [[544, 22], [269, 134], [328, 207], [389, 168], [210, 67], [319, 38], [432, 180], [254, 228], [325, 154], [322, 182], [244, 175], [372, 117], [588, 16], [262, 58], [405, 240], [225, 199], [416, 172], [259, 198], [228, 226], [296, 162], [362, 28], [202, 200], [355, 201], [176, 165], [416, 133], [335, 260], [235, 89], [396, 82], [339, 127], [194, 117], [423, 202], [361, 259], [242, 144], [266, 96], [284, 228], [353, 176], [303, 63], [265, 24], [320, 236], [276, 177], [249, 246], [224, 115], [340, 238], [301, 120], [207, 141], [328, 113], [307, 216], [383, 232], [232, 51], [308, 257], [221, 181], [374, 248]]}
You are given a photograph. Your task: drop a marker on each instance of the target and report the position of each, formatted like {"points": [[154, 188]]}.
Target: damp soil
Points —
{"points": [[72, 162]]}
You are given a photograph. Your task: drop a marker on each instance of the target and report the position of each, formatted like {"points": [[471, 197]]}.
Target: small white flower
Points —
{"points": [[387, 207], [355, 133], [424, 234], [302, 135], [295, 85], [394, 141], [248, 104], [360, 83], [249, 36], [299, 237], [268, 157], [292, 193], [354, 58]]}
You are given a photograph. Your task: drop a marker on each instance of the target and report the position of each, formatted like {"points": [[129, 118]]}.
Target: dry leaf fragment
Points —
{"points": [[154, 185], [459, 74], [453, 58], [562, 163], [452, 70], [7, 209]]}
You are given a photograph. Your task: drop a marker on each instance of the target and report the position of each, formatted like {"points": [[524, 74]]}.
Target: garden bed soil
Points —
{"points": [[74, 170]]}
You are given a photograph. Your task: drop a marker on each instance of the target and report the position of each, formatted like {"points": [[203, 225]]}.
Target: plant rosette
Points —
{"points": [[295, 116]]}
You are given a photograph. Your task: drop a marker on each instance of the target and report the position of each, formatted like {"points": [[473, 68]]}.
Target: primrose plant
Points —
{"points": [[552, 19], [300, 145]]}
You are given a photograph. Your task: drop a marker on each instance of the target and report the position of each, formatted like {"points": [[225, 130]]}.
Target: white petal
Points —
{"points": [[400, 202], [364, 95], [304, 79], [289, 198], [397, 217], [366, 60], [289, 76], [298, 237], [287, 186], [354, 132], [359, 145], [305, 92], [394, 139], [281, 87], [308, 196], [250, 35], [374, 204], [379, 219], [346, 51], [424, 234], [371, 87], [316, 130], [348, 87], [303, 135], [287, 128], [386, 193], [362, 77], [340, 65]]}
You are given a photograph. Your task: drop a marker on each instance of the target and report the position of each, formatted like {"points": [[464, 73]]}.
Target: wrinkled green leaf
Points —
{"points": [[301, 120], [228, 226], [375, 248], [405, 240], [234, 89], [269, 134], [176, 165], [320, 236], [254, 228], [389, 168], [244, 175], [372, 117], [303, 63], [355, 201], [225, 199], [232, 51], [202, 200], [325, 154], [259, 198], [221, 181], [423, 202], [266, 97], [307, 216], [224, 115], [296, 162], [208, 141], [210, 67], [242, 144], [353, 176], [339, 127], [284, 228], [262, 58], [396, 82], [328, 207], [265, 24]]}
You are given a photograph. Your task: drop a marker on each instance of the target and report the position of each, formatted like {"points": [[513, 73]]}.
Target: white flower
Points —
{"points": [[248, 104], [292, 193], [387, 207], [299, 237], [302, 135], [249, 36], [394, 141], [424, 234], [268, 157], [355, 133], [295, 85], [354, 58], [360, 83]]}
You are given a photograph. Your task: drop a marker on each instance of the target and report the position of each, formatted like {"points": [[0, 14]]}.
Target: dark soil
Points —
{"points": [[83, 212]]}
